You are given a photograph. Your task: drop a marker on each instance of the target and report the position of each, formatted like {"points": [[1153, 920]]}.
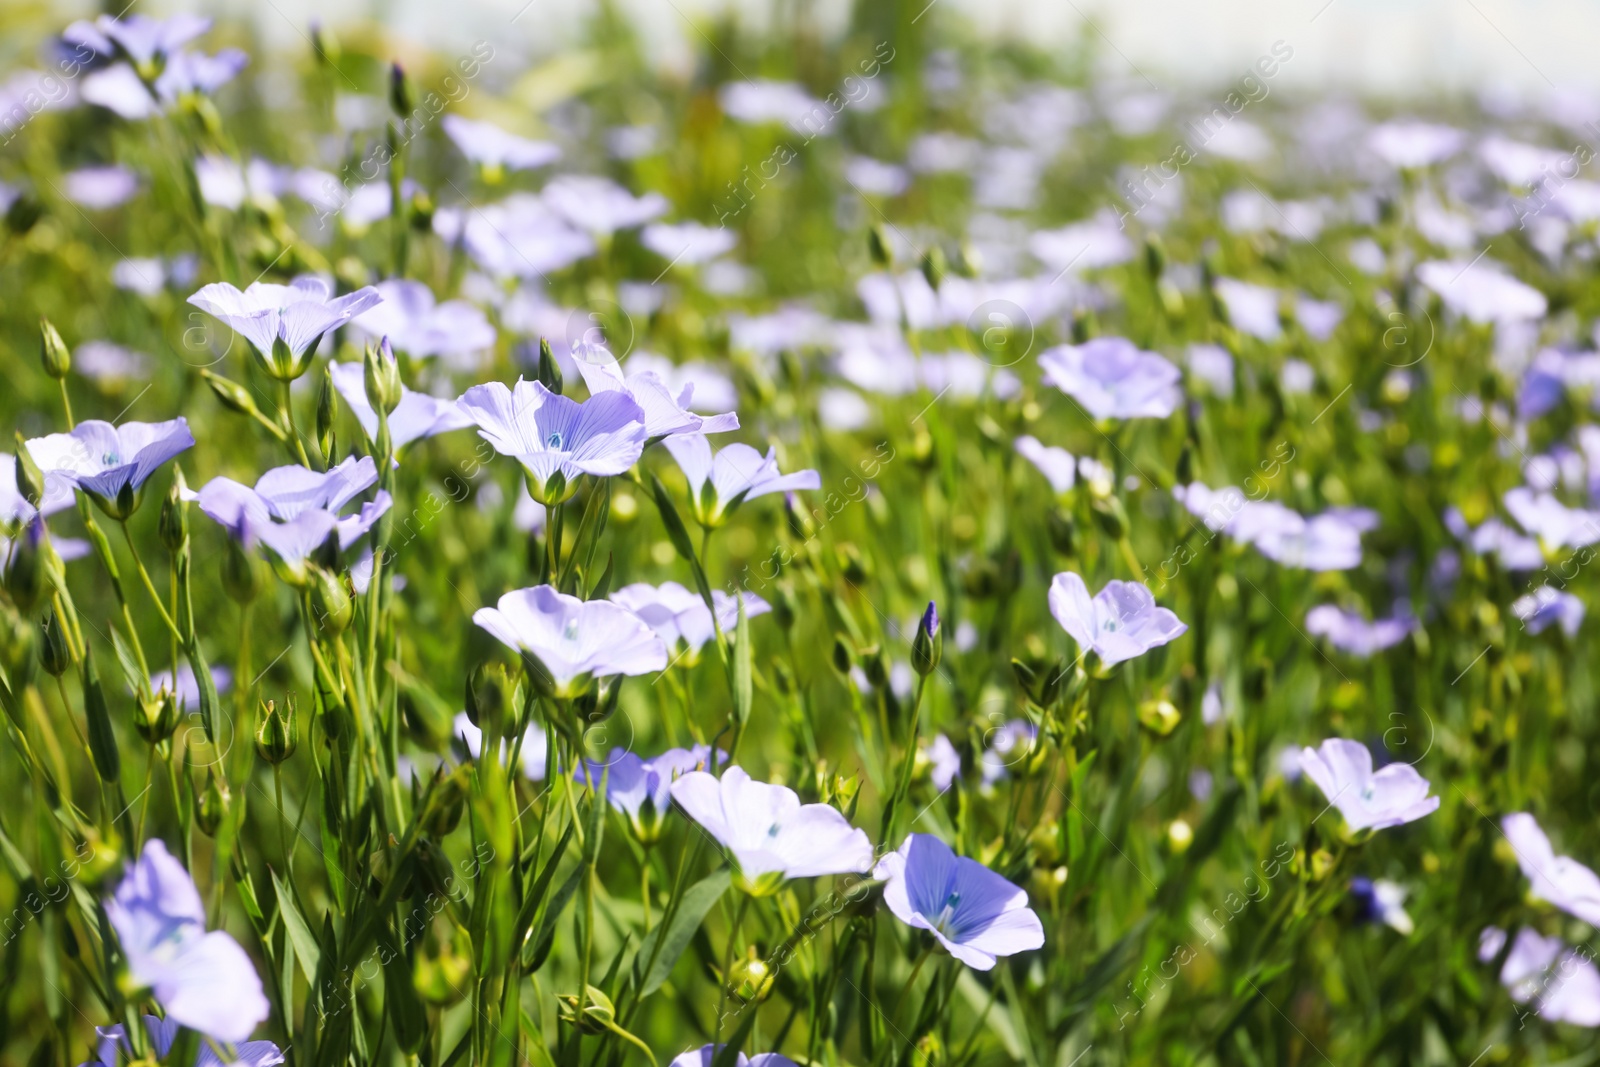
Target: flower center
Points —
{"points": [[943, 921], [772, 831], [571, 630], [554, 440], [111, 459]]}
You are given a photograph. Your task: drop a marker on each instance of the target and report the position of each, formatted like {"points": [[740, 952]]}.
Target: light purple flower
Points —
{"points": [[185, 688], [664, 413], [771, 836], [575, 641], [687, 242], [1252, 309], [111, 463], [675, 613], [15, 511], [1213, 365], [1326, 542], [718, 485], [99, 188], [1121, 622], [1567, 992], [418, 415], [640, 789], [762, 100], [1342, 769], [108, 364], [1410, 144], [534, 753], [297, 315], [1482, 291], [706, 1055], [974, 913], [1382, 901], [599, 205], [496, 150], [114, 1048], [416, 324], [1545, 605], [1056, 464], [1560, 880], [1113, 379], [1349, 632], [293, 510], [1551, 521], [944, 762], [141, 39], [519, 237], [556, 439], [202, 980]]}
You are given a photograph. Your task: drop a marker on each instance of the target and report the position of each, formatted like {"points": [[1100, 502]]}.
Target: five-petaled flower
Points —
{"points": [[111, 463], [283, 323], [1342, 769], [1119, 623], [717, 486], [973, 912], [569, 642]]}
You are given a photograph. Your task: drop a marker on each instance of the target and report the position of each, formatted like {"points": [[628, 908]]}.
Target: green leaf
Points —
{"points": [[102, 738], [728, 1054], [128, 662], [533, 960], [305, 945], [697, 903]]}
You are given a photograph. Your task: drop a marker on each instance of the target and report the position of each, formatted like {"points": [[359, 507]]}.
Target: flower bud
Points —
{"points": [[968, 262], [549, 369], [281, 362], [598, 1012], [1062, 529], [233, 396], [157, 717], [212, 803], [843, 658], [98, 856], [449, 801], [851, 564], [879, 248], [54, 655], [30, 479], [241, 573], [784, 608], [382, 377], [277, 732], [102, 738], [935, 267], [327, 409], [1155, 255], [400, 98], [26, 578], [331, 599], [22, 215], [750, 978], [53, 351], [1112, 519], [1160, 717], [1083, 325], [928, 645], [173, 525]]}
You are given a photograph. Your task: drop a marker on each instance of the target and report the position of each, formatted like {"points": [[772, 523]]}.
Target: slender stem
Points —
{"points": [[149, 586], [286, 406], [727, 965], [66, 402]]}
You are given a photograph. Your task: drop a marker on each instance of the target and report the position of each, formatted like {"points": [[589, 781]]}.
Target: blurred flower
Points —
{"points": [[774, 101], [1567, 992], [1482, 291], [518, 237], [1296, 378], [417, 416], [556, 439], [1213, 365], [1342, 769], [1545, 605], [1121, 622], [688, 242], [416, 324], [1009, 745], [1113, 379], [535, 745], [973, 912], [1560, 880], [737, 473], [494, 149], [1382, 901], [642, 789], [114, 1048], [292, 317], [706, 1056], [1252, 309], [771, 836], [1056, 464], [139, 38], [664, 414], [184, 686], [99, 188], [1409, 144], [204, 981], [575, 641], [599, 205], [1351, 633], [1551, 521], [945, 761], [674, 612], [111, 463], [1326, 542]]}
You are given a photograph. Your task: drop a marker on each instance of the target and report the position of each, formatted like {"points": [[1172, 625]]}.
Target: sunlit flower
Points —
{"points": [[534, 753], [113, 1047], [1121, 622], [574, 641], [283, 323], [1409, 144], [201, 980], [1561, 880], [1544, 606], [675, 612], [495, 150], [690, 243], [664, 413], [1349, 632], [100, 188], [418, 325], [974, 913], [1563, 981], [737, 473], [111, 463], [1342, 769], [556, 439], [944, 762], [1056, 464], [706, 1055], [771, 836], [1482, 291], [599, 205], [640, 789], [1113, 379], [418, 415]]}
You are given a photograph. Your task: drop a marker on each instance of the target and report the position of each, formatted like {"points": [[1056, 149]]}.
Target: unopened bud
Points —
{"points": [[935, 267], [879, 248], [173, 524], [277, 731], [381, 376], [399, 91], [549, 369], [234, 397], [54, 656], [331, 599], [928, 645], [30, 479], [53, 351]]}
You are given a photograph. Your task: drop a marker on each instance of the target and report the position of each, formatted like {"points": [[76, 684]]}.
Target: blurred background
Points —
{"points": [[1518, 49]]}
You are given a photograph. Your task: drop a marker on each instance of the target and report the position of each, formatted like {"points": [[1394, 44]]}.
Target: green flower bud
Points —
{"points": [[598, 1015], [1083, 325], [1160, 717], [327, 409], [400, 98], [1155, 255], [843, 657], [549, 369], [241, 573], [30, 479], [173, 526], [277, 732], [22, 215], [157, 717], [211, 804], [935, 267], [54, 655], [784, 608], [1062, 529], [381, 376], [102, 738], [879, 248], [331, 598], [26, 578], [53, 351], [928, 645], [1111, 517], [235, 397]]}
